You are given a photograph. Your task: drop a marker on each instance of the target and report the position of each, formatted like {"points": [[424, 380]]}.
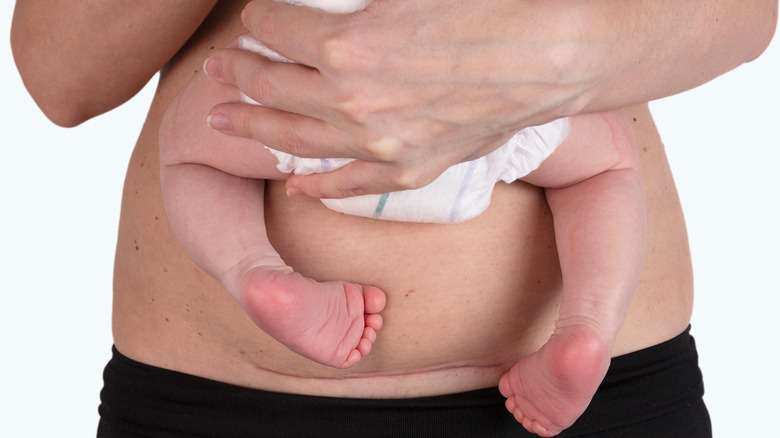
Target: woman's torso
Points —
{"points": [[465, 301]]}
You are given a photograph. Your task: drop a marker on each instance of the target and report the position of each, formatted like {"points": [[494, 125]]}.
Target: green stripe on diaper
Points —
{"points": [[381, 204]]}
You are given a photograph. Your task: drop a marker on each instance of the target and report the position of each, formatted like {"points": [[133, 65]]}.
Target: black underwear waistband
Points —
{"points": [[652, 392]]}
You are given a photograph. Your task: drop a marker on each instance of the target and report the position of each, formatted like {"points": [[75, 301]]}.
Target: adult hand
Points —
{"points": [[393, 86], [411, 87]]}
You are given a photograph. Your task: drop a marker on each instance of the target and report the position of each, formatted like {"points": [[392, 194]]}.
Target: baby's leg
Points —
{"points": [[214, 201], [595, 192]]}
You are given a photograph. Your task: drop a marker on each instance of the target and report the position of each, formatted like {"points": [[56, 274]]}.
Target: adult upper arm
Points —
{"points": [[81, 59]]}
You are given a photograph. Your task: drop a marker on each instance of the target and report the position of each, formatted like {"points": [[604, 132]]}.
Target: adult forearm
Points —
{"points": [[80, 59], [663, 47]]}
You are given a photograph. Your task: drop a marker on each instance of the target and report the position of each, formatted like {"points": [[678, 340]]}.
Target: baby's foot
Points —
{"points": [[548, 390], [333, 323]]}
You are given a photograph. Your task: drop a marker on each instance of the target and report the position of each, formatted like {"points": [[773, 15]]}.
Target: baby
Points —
{"points": [[213, 188]]}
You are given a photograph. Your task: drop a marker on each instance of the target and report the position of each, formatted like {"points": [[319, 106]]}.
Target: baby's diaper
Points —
{"points": [[462, 192]]}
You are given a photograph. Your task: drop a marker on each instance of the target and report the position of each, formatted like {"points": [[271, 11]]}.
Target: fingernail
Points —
{"points": [[294, 191], [212, 68], [218, 122]]}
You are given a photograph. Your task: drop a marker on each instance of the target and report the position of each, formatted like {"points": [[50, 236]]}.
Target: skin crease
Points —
{"points": [[456, 325]]}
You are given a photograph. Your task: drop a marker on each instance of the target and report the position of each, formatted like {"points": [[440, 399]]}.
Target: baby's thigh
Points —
{"points": [[596, 143], [184, 132], [186, 137]]}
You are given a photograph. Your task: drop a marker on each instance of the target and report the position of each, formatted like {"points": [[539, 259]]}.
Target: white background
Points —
{"points": [[59, 204]]}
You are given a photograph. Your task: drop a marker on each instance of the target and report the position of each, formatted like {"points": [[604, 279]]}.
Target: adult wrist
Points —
{"points": [[586, 50]]}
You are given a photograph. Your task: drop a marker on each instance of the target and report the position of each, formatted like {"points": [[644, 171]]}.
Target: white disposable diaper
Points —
{"points": [[462, 192]]}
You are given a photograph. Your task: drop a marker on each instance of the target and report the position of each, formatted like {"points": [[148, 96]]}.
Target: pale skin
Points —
{"points": [[214, 203], [168, 313]]}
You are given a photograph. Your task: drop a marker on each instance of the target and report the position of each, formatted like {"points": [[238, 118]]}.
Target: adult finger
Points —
{"points": [[360, 178], [282, 85], [295, 134], [295, 32]]}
